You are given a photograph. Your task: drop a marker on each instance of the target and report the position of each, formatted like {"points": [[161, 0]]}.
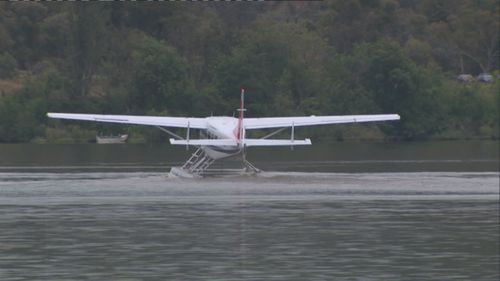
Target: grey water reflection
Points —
{"points": [[320, 157], [277, 226]]}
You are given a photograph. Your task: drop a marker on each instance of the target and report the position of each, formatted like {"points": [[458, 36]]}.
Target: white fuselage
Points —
{"points": [[222, 128]]}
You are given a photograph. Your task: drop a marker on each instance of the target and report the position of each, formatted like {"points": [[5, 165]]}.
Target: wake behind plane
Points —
{"points": [[223, 136]]}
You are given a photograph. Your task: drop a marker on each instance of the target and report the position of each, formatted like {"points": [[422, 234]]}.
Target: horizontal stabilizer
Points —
{"points": [[216, 142], [276, 142]]}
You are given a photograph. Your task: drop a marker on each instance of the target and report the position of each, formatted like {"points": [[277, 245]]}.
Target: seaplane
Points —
{"points": [[224, 136]]}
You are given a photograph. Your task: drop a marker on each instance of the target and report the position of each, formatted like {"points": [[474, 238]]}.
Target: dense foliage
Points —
{"points": [[294, 58]]}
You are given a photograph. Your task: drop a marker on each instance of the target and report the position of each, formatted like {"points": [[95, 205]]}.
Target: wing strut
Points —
{"points": [[170, 133], [273, 133], [187, 136]]}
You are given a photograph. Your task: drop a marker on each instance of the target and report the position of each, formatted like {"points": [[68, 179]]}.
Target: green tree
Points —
{"points": [[469, 35], [88, 29], [379, 77], [160, 77], [400, 86], [54, 33], [22, 22], [8, 65], [276, 63]]}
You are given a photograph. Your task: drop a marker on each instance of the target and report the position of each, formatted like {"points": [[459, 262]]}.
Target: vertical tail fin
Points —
{"points": [[240, 133]]}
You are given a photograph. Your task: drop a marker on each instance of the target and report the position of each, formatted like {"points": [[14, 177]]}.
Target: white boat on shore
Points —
{"points": [[111, 139]]}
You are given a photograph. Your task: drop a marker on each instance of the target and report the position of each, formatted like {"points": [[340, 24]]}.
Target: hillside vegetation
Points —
{"points": [[294, 58]]}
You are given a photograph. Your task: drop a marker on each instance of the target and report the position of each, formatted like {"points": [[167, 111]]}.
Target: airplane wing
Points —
{"points": [[278, 122], [180, 122]]}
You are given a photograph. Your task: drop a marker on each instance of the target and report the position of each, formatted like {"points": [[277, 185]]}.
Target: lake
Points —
{"points": [[334, 211]]}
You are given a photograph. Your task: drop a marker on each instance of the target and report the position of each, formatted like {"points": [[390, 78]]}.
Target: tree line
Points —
{"points": [[294, 58]]}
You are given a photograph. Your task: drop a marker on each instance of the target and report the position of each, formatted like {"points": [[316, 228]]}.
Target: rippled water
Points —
{"points": [[277, 226]]}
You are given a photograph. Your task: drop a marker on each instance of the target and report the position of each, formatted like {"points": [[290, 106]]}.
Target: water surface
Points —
{"points": [[78, 213]]}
